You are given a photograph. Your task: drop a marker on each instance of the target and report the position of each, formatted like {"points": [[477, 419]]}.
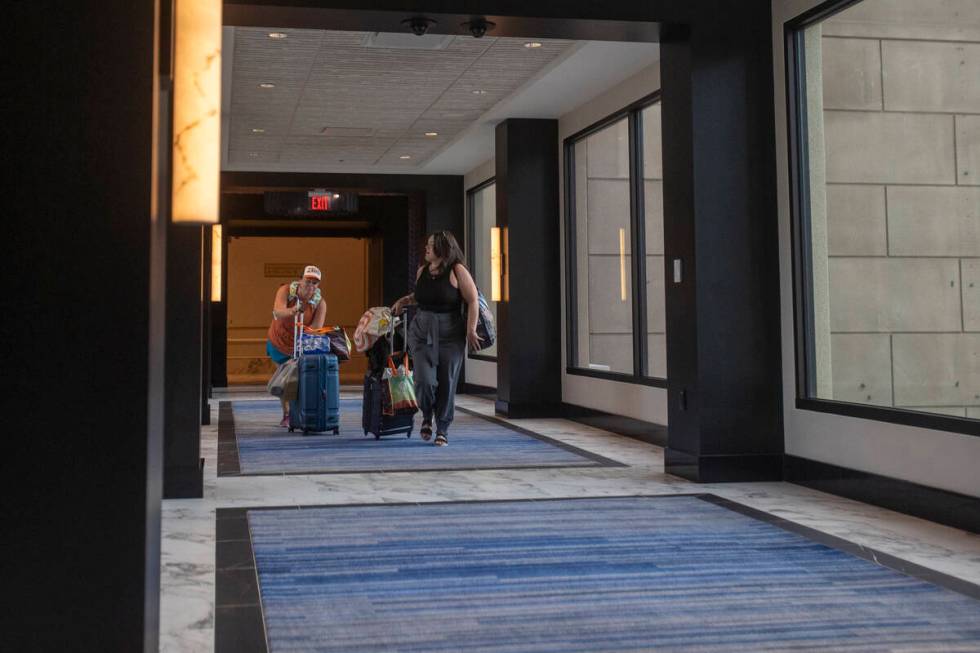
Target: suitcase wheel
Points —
{"points": [[377, 436], [291, 429]]}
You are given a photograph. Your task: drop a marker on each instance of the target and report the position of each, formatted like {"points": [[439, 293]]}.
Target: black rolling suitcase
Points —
{"points": [[373, 419]]}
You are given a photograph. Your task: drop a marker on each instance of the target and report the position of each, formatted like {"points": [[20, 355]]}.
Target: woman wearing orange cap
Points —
{"points": [[291, 298]]}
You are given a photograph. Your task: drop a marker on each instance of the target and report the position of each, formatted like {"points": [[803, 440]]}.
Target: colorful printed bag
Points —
{"points": [[401, 385]]}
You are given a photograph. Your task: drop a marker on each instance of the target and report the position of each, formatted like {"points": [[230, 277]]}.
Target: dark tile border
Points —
{"points": [[884, 559], [941, 506], [229, 462], [240, 628], [239, 625], [600, 461]]}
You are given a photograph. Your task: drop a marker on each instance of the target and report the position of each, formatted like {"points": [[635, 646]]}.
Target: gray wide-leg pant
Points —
{"points": [[437, 342]]}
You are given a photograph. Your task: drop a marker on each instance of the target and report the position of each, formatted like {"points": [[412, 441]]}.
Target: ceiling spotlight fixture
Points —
{"points": [[266, 85], [478, 26], [336, 196], [253, 154], [277, 35], [532, 44], [419, 24], [430, 134], [258, 130], [405, 156], [479, 91]]}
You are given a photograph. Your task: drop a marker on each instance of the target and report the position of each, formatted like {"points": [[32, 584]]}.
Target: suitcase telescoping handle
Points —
{"points": [[391, 332], [298, 331]]}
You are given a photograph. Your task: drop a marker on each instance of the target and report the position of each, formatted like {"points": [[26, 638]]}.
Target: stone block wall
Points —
{"points": [[602, 204], [901, 128]]}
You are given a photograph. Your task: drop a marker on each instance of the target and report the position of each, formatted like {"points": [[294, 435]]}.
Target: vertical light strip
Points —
{"points": [[495, 264], [216, 263], [622, 264], [197, 111], [505, 264]]}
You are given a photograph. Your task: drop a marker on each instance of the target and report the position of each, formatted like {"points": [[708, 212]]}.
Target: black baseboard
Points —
{"points": [[742, 468], [941, 506], [513, 410], [184, 482], [648, 432], [474, 389]]}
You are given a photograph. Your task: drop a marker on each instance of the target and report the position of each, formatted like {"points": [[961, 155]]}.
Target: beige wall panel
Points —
{"points": [[656, 310], [614, 350], [971, 294], [608, 313], [894, 294], [653, 201], [862, 368], [851, 74], [607, 152], [973, 413], [657, 356], [895, 148], [926, 221], [937, 369], [251, 293], [856, 220], [609, 211], [968, 150], [923, 76], [942, 20]]}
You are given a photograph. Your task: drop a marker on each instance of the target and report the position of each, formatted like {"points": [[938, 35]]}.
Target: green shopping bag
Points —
{"points": [[401, 387]]}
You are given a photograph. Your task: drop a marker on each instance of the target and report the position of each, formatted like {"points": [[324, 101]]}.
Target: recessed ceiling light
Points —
{"points": [[431, 133], [532, 44], [277, 35], [266, 85], [405, 156], [258, 130], [336, 196], [253, 154], [479, 91]]}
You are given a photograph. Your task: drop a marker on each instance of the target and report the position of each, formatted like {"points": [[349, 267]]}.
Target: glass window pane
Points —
{"points": [[484, 218], [653, 219], [604, 306], [892, 130]]}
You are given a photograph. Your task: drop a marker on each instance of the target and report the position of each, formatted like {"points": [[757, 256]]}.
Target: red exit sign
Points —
{"points": [[319, 202]]}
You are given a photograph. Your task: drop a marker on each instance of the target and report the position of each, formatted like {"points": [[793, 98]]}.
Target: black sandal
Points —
{"points": [[425, 431], [441, 440]]}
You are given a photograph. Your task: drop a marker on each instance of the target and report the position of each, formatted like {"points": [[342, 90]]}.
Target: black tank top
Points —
{"points": [[436, 293]]}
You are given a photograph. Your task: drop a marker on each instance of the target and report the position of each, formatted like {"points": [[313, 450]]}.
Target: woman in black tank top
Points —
{"points": [[438, 335]]}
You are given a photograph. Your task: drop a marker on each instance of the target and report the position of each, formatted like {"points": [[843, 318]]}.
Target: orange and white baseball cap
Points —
{"points": [[313, 272]]}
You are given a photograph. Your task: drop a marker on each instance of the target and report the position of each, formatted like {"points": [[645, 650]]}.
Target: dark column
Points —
{"points": [[529, 320], [182, 396], [723, 334], [81, 462], [206, 330]]}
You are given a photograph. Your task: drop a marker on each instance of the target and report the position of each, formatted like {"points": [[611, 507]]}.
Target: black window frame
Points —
{"points": [[631, 113], [470, 227], [800, 227]]}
